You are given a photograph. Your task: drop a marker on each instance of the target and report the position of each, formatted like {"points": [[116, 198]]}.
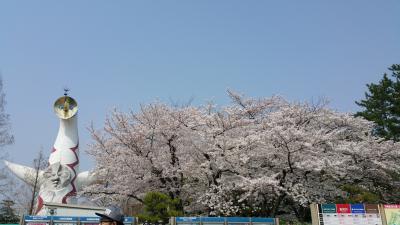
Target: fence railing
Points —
{"points": [[68, 220], [76, 220], [223, 221]]}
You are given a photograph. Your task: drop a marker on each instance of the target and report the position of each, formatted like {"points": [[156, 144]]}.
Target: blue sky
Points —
{"points": [[124, 53]]}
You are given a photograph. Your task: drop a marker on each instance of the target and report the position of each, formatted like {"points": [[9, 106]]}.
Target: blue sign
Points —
{"points": [[262, 220], [212, 219], [357, 208], [188, 219], [37, 218], [238, 219], [89, 219], [128, 219], [65, 218]]}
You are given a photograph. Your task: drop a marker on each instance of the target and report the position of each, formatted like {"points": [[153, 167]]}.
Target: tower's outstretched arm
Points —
{"points": [[25, 173], [84, 179]]}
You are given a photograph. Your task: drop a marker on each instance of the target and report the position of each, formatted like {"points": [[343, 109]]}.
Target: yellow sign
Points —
{"points": [[392, 214]]}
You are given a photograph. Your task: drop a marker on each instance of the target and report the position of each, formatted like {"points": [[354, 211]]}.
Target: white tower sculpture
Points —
{"points": [[61, 180]]}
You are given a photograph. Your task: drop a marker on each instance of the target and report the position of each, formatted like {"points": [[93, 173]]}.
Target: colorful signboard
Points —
{"points": [[329, 214], [350, 214], [392, 214], [373, 215], [357, 208], [343, 208]]}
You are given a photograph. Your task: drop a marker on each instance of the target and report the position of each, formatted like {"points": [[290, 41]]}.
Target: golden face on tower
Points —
{"points": [[65, 107]]}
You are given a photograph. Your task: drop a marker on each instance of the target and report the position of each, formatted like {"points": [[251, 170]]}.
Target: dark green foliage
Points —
{"points": [[357, 194], [7, 214], [159, 207], [292, 222], [382, 105]]}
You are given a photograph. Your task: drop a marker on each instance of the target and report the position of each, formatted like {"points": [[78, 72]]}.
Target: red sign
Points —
{"points": [[343, 208]]}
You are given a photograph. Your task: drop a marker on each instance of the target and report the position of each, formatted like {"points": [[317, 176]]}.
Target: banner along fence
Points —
{"points": [[68, 220]]}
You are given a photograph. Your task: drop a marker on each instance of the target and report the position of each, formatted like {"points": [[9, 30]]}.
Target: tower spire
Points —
{"points": [[66, 89]]}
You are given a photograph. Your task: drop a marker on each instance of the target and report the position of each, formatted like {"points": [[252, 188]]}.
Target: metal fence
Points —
{"points": [[68, 220], [76, 220], [223, 221]]}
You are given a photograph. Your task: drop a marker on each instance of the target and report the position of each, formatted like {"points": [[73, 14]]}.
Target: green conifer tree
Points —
{"points": [[158, 208], [382, 105], [7, 214]]}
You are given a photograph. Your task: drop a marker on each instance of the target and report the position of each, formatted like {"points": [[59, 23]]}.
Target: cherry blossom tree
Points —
{"points": [[255, 157], [6, 138], [148, 150]]}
